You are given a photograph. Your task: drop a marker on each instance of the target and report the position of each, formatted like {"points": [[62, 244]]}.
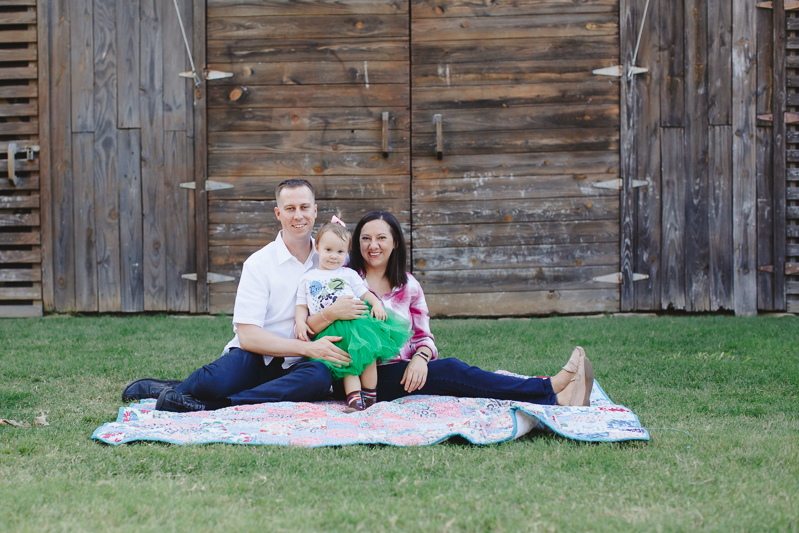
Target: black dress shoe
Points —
{"points": [[172, 400], [147, 388]]}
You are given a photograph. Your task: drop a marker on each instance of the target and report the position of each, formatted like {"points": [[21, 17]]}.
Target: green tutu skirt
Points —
{"points": [[367, 340]]}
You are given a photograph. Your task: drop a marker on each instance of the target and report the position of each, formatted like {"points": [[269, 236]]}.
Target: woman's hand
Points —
{"points": [[345, 308], [415, 375]]}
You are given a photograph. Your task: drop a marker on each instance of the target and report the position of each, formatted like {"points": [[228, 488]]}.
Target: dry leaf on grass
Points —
{"points": [[6, 422], [40, 420]]}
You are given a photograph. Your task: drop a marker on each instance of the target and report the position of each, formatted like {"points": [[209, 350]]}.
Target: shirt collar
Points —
{"points": [[283, 253]]}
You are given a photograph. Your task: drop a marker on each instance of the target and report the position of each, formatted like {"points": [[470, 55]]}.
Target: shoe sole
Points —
{"points": [[167, 383]]}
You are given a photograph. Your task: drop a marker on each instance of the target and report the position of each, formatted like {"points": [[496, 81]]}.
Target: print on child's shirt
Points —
{"points": [[325, 295]]}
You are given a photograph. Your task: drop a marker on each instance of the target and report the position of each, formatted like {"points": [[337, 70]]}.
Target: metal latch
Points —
{"points": [[211, 277], [615, 71], [617, 278], [13, 150], [618, 184], [208, 74], [209, 185]]}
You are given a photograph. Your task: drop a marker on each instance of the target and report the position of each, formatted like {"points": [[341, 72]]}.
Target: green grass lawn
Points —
{"points": [[732, 383]]}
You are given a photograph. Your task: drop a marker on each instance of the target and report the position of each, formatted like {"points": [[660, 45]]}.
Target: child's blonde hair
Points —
{"points": [[339, 230]]}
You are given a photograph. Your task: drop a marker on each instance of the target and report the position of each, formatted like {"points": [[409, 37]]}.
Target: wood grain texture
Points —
{"points": [[262, 211], [697, 297], [46, 210], [510, 165], [307, 27], [306, 142], [720, 216], [81, 14], [477, 8], [719, 61], [176, 220], [33, 255], [562, 70], [237, 8], [521, 118], [303, 118], [200, 154], [673, 223], [176, 109], [316, 73], [63, 269], [152, 156], [326, 187], [513, 279], [21, 238], [672, 35], [506, 211], [20, 274], [765, 222], [779, 170], [630, 109], [298, 164], [515, 49], [309, 96], [84, 223], [106, 164], [524, 303], [130, 221], [515, 27], [498, 186], [744, 158], [263, 51], [128, 70]]}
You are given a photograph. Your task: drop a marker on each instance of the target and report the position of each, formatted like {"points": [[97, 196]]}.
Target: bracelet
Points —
{"points": [[323, 316], [422, 355]]}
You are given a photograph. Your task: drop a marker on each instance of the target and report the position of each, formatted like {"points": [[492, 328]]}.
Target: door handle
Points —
{"points": [[385, 134], [439, 140]]}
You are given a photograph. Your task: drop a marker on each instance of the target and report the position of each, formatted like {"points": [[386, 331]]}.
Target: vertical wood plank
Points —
{"points": [[696, 152], [672, 94], [82, 47], [177, 221], [61, 158], [719, 61], [779, 147], [765, 215], [175, 62], [629, 111], [744, 157], [188, 89], [673, 194], [720, 217], [130, 220], [128, 63], [106, 169], [152, 155], [45, 164], [83, 158], [647, 256], [200, 160]]}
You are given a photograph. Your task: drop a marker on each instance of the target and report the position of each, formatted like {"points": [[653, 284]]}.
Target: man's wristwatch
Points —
{"points": [[422, 355]]}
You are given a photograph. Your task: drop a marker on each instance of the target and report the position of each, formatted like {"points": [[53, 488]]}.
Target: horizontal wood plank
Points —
{"points": [[262, 211], [20, 165], [513, 279], [516, 49], [19, 110], [480, 8], [23, 183], [308, 96], [19, 202], [298, 165], [307, 27], [19, 128], [508, 187], [529, 256], [476, 142], [13, 219], [18, 36], [306, 142], [19, 73], [299, 118], [19, 91], [326, 187], [19, 54], [21, 256], [520, 118], [510, 165], [515, 27], [20, 238], [17, 17], [524, 303], [507, 211], [563, 70], [595, 91], [20, 274], [21, 293], [237, 8], [261, 50], [317, 73]]}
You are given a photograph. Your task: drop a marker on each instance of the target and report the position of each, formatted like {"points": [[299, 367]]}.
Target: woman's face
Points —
{"points": [[376, 244]]}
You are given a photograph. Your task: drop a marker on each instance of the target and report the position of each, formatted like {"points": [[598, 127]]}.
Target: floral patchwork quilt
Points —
{"points": [[409, 421]]}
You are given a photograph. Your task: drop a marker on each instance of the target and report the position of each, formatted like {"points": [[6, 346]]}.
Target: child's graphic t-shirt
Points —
{"points": [[320, 288]]}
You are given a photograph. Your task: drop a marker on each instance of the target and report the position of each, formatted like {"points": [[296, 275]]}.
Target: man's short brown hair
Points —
{"points": [[295, 184]]}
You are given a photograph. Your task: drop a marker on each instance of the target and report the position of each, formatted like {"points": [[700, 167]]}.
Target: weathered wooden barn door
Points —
{"points": [[20, 232], [511, 134], [311, 84]]}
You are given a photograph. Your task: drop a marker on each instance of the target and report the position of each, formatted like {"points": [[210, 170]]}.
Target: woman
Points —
{"points": [[378, 253]]}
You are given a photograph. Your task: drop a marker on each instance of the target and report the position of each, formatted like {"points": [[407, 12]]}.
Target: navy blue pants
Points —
{"points": [[453, 377], [240, 377]]}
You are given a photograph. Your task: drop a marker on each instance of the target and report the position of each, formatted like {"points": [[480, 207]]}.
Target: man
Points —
{"points": [[263, 362]]}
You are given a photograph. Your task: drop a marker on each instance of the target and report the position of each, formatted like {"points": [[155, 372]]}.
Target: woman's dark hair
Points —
{"points": [[395, 270]]}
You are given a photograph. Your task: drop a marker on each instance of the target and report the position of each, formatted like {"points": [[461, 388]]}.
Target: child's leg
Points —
{"points": [[352, 386], [369, 382]]}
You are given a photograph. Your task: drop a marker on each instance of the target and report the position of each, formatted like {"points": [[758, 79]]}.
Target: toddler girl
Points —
{"points": [[375, 335]]}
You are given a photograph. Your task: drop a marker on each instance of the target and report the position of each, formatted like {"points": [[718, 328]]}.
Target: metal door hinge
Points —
{"points": [[617, 278], [13, 150], [790, 118], [618, 184], [789, 5], [209, 185], [211, 277], [790, 269], [615, 71], [208, 74]]}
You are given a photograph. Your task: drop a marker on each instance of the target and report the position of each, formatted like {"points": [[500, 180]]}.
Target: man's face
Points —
{"points": [[296, 212]]}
